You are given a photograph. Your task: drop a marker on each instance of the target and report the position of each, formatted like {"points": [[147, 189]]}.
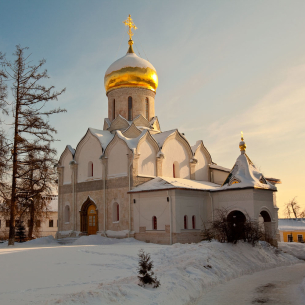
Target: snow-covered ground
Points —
{"points": [[276, 286], [296, 249], [97, 270]]}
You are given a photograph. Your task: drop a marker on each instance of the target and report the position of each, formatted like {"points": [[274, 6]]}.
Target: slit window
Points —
{"points": [[115, 212], [129, 108], [67, 213], [147, 108], [193, 222], [154, 223], [113, 110], [176, 171], [185, 221], [90, 169]]}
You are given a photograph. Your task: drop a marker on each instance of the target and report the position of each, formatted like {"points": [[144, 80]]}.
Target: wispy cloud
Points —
{"points": [[276, 117]]}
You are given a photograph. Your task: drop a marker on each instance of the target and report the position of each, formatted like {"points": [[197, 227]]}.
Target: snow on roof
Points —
{"points": [[164, 183], [274, 180], [107, 121], [132, 143], [129, 60], [72, 150], [221, 168], [162, 136], [294, 224], [104, 136], [245, 175]]}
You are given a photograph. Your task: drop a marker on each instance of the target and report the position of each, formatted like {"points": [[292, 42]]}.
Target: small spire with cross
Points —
{"points": [[129, 23], [242, 144]]}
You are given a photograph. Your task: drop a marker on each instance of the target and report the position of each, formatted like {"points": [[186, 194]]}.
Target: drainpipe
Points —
{"points": [[212, 206], [105, 200], [104, 185], [170, 219], [129, 196]]}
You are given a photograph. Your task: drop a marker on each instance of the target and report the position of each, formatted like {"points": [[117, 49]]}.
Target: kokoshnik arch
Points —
{"points": [[130, 179]]}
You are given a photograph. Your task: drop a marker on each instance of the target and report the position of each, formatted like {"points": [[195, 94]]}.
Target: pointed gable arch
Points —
{"points": [[88, 135], [64, 160], [141, 121], [177, 151], [200, 146], [68, 151], [87, 154], [119, 123], [117, 153], [204, 159], [147, 150], [132, 131], [149, 138], [181, 139]]}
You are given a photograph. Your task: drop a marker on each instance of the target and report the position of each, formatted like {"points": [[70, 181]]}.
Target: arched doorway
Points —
{"points": [[267, 225], [236, 220], [89, 217]]}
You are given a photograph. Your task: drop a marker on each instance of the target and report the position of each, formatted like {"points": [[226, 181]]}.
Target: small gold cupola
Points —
{"points": [[242, 144], [131, 71]]}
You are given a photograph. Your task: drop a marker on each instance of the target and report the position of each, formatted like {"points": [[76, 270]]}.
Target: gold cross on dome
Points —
{"points": [[128, 22]]}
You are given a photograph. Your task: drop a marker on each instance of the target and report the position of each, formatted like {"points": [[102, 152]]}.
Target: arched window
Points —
{"points": [[113, 110], [154, 223], [176, 171], [185, 221], [67, 213], [90, 169], [115, 212], [147, 108], [129, 108], [193, 222]]}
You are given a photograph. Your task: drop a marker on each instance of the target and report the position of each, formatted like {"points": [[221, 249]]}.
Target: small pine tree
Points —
{"points": [[20, 233], [145, 270]]}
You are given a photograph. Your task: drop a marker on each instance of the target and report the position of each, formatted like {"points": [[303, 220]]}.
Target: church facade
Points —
{"points": [[130, 179]]}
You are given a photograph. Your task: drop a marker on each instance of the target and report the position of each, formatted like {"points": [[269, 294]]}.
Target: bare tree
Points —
{"points": [[293, 209], [32, 132]]}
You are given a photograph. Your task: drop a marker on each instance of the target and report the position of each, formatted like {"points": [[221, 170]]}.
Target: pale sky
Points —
{"points": [[223, 67]]}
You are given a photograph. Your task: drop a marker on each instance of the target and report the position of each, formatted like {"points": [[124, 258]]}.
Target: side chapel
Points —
{"points": [[130, 179]]}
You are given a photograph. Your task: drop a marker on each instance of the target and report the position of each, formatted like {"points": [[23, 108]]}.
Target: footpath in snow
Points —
{"points": [[98, 270]]}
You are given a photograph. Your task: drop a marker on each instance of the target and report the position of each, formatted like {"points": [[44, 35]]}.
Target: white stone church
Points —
{"points": [[131, 179]]}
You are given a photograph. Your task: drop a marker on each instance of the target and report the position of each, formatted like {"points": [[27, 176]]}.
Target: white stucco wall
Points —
{"points": [[91, 150], [174, 151], [147, 159], [189, 203], [67, 158], [219, 177], [202, 167], [249, 201], [118, 160], [148, 205], [45, 229]]}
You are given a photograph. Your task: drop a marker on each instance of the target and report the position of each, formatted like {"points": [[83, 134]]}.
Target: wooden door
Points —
{"points": [[92, 220]]}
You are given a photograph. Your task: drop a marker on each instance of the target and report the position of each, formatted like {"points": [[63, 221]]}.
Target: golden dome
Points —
{"points": [[131, 71]]}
